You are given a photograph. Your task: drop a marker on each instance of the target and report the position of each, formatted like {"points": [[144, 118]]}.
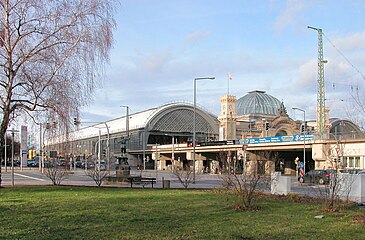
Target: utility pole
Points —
{"points": [[321, 114], [127, 135], [5, 152], [12, 157]]}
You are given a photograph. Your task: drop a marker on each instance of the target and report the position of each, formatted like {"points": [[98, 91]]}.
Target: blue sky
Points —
{"points": [[160, 46]]}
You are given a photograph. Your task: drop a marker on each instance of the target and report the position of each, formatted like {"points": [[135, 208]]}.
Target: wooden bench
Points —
{"points": [[143, 180]]}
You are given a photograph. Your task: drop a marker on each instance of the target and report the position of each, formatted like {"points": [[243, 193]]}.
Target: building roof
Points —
{"points": [[344, 129], [173, 117], [257, 103]]}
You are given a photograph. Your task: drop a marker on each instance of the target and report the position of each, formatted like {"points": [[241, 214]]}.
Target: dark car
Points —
{"points": [[32, 163], [79, 164], [316, 176], [350, 171]]}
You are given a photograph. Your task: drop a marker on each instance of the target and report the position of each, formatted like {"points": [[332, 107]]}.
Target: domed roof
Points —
{"points": [[257, 102]]}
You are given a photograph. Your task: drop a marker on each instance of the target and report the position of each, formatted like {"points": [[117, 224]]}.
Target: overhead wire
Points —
{"points": [[343, 55]]}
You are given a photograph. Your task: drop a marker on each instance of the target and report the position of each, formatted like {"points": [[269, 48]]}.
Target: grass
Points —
{"points": [[48, 212]]}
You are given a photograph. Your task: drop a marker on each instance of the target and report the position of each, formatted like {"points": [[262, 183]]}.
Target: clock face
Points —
{"points": [[224, 107], [230, 107]]}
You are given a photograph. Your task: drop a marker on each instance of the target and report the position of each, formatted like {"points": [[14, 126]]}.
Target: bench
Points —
{"points": [[143, 180]]}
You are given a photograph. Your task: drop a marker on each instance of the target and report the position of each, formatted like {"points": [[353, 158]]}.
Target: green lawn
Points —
{"points": [[50, 212]]}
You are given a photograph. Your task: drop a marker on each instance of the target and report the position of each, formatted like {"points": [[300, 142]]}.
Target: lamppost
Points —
{"points": [[172, 151], [40, 148], [77, 122], [126, 120], [194, 120], [48, 126], [12, 155], [304, 133], [107, 147], [127, 132], [5, 152]]}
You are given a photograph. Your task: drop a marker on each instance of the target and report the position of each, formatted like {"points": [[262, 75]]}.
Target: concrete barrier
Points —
{"points": [[280, 185], [352, 187]]}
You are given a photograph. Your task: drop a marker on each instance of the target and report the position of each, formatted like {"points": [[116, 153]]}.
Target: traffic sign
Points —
{"points": [[301, 165], [301, 172]]}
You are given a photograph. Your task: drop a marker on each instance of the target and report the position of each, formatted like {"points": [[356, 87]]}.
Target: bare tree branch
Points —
{"points": [[53, 54]]}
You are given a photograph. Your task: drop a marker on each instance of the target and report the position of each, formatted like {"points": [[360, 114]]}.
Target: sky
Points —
{"points": [[160, 46]]}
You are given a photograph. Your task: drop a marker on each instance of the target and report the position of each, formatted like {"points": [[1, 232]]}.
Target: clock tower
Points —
{"points": [[227, 118]]}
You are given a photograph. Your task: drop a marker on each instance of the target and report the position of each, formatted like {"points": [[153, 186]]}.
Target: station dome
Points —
{"points": [[257, 103]]}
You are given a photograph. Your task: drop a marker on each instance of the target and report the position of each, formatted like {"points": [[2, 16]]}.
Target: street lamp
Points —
{"points": [[304, 132], [5, 153], [12, 155], [127, 133], [194, 120], [172, 151], [76, 122], [47, 126], [126, 120]]}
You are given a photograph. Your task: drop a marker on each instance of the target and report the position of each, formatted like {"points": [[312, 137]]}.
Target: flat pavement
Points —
{"points": [[77, 177]]}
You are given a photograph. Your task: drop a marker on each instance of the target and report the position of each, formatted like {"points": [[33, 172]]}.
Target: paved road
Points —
{"points": [[32, 176]]}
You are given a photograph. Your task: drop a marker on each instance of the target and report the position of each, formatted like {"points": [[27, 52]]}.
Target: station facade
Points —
{"points": [[161, 138]]}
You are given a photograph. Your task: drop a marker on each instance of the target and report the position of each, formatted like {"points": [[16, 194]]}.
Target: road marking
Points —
{"points": [[21, 175]]}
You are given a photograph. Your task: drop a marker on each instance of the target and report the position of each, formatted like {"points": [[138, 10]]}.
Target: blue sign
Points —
{"points": [[301, 165], [277, 139]]}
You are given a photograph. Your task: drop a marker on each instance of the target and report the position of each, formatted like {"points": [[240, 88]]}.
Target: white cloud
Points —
{"points": [[156, 62], [307, 76], [290, 13], [352, 42], [196, 36]]}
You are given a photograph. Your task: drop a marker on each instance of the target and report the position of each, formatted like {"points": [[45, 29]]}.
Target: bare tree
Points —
{"points": [[339, 185], [97, 175], [56, 172], [184, 176], [356, 110], [52, 55], [245, 185]]}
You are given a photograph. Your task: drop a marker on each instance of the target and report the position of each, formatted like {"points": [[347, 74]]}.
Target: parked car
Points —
{"points": [[89, 165], [8, 163], [61, 162], [102, 165], [79, 164], [316, 176], [350, 171], [32, 163]]}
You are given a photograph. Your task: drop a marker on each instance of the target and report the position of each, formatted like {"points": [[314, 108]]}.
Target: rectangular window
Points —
{"points": [[345, 163], [351, 162], [357, 162]]}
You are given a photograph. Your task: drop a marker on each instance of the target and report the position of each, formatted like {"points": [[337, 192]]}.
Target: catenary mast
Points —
{"points": [[321, 118]]}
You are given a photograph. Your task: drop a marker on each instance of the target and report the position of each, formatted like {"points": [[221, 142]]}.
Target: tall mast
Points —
{"points": [[321, 89]]}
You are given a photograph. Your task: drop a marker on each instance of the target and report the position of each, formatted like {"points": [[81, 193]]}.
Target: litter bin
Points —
{"points": [[165, 183]]}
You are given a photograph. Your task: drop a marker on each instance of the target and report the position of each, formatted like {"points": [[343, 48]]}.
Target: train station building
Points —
{"points": [[254, 128]]}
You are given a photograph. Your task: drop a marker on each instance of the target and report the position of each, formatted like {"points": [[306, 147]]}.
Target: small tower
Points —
{"points": [[227, 118]]}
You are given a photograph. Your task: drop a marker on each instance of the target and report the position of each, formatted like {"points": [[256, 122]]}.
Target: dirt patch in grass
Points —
{"points": [[290, 198], [360, 219]]}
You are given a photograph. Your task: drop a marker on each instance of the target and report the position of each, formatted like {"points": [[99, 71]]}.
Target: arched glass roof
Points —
{"points": [[180, 118], [172, 117], [257, 102], [344, 129]]}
